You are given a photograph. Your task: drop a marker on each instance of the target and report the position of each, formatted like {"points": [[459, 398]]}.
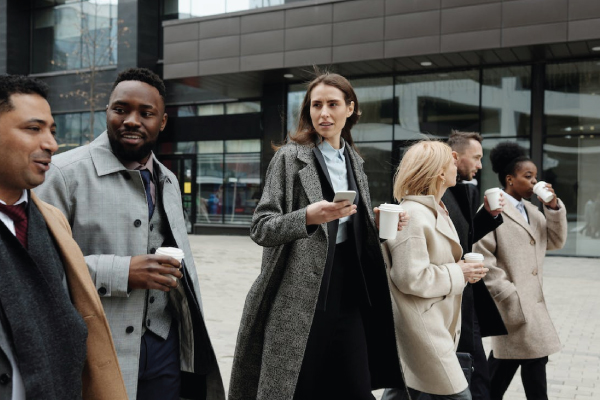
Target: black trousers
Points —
{"points": [[480, 380], [335, 364], [159, 376], [533, 375]]}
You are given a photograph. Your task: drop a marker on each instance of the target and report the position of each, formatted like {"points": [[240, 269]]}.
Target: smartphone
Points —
{"points": [[345, 195]]}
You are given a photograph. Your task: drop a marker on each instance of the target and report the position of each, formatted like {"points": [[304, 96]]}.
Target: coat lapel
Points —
{"points": [[533, 220], [363, 186], [309, 176], [514, 214]]}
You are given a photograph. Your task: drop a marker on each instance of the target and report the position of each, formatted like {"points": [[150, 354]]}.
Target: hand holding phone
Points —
{"points": [[344, 195]]}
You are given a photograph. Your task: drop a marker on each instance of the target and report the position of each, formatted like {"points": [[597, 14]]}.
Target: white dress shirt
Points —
{"points": [[8, 220]]}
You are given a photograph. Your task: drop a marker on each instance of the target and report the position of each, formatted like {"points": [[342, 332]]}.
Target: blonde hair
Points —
{"points": [[420, 167]]}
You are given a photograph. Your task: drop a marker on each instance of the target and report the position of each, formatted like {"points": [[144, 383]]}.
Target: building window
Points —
{"points": [[437, 103], [227, 178], [205, 110], [70, 35], [571, 158], [73, 130], [181, 9]]}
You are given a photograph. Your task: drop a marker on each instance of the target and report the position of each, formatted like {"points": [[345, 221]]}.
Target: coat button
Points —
{"points": [[102, 291], [129, 329], [137, 223], [151, 299], [534, 272], [532, 242], [4, 379]]}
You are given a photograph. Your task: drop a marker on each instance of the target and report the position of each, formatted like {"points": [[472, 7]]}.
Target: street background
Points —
{"points": [[228, 265]]}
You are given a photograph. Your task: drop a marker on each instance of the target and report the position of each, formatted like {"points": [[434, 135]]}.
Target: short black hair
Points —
{"points": [[505, 158], [142, 75], [19, 84]]}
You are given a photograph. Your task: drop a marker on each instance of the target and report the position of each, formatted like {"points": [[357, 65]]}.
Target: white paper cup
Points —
{"points": [[474, 257], [540, 190], [493, 197], [389, 215], [171, 252]]}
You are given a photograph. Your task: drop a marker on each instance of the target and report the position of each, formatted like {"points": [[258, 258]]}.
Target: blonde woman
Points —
{"points": [[427, 276]]}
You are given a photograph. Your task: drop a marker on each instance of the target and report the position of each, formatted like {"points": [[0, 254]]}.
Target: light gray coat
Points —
{"points": [[514, 254], [281, 304], [106, 207]]}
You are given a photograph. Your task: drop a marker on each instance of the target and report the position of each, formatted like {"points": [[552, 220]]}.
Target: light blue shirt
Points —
{"points": [[519, 205], [336, 166]]}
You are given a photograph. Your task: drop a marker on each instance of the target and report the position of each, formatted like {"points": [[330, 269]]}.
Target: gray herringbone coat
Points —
{"points": [[280, 306]]}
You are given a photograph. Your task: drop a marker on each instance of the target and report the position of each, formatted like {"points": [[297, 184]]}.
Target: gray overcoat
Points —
{"points": [[515, 253], [280, 306], [106, 207]]}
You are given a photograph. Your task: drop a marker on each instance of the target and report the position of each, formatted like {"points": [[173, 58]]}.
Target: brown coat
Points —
{"points": [[514, 254], [102, 379], [427, 285]]}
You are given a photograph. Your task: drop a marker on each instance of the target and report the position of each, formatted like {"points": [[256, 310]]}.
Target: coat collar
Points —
{"points": [[511, 212], [441, 223], [104, 159]]}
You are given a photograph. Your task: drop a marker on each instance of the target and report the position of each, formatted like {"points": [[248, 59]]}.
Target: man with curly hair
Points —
{"points": [[123, 204]]}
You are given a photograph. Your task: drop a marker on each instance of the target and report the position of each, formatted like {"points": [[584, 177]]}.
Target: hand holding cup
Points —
{"points": [[473, 268]]}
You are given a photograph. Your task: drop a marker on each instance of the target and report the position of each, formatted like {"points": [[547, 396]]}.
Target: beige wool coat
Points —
{"points": [[102, 378], [514, 254], [426, 284]]}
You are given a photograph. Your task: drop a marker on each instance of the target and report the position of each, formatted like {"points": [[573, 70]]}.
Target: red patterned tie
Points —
{"points": [[18, 214]]}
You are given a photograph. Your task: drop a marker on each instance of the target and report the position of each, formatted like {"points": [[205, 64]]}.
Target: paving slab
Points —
{"points": [[228, 265]]}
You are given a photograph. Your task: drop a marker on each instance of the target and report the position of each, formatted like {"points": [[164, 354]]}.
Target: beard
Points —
{"points": [[129, 154]]}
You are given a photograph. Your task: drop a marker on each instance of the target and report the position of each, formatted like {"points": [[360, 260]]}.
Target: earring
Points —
{"points": [[443, 181], [510, 183]]}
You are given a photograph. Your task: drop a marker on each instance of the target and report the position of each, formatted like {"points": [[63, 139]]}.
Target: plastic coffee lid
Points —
{"points": [[474, 256], [492, 190], [391, 207], [171, 252], [540, 184]]}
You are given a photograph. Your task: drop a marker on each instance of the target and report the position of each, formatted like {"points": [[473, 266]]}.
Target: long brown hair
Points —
{"points": [[305, 133]]}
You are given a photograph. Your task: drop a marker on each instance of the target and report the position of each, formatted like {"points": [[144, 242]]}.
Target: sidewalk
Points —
{"points": [[228, 265]]}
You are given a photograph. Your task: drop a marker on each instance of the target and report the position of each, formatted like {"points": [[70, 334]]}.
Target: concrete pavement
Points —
{"points": [[228, 265]]}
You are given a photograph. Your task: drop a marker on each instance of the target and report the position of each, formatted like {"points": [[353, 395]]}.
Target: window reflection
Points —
{"points": [[572, 150], [506, 101], [75, 35], [379, 170], [437, 103], [376, 99], [181, 9], [73, 130]]}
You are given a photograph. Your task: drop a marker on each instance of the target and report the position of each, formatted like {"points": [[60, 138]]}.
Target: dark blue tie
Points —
{"points": [[146, 178]]}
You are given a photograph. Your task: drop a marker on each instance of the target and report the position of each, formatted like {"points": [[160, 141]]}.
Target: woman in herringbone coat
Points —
{"points": [[514, 254], [318, 320]]}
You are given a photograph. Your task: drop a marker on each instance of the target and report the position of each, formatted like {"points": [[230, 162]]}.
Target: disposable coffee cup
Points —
{"points": [[389, 215], [493, 198], [541, 190], [171, 252], [474, 257]]}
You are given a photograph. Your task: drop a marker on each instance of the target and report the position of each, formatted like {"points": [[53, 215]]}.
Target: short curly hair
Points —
{"points": [[505, 158], [142, 75], [19, 84]]}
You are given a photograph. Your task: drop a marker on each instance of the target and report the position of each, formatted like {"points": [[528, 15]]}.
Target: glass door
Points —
{"points": [[184, 168]]}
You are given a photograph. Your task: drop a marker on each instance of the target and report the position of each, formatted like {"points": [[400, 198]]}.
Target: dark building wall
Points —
{"points": [[324, 32]]}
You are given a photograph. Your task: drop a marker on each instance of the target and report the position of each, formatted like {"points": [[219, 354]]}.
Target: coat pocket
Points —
{"points": [[512, 311]]}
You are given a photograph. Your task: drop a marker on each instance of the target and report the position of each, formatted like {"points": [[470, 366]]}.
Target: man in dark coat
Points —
{"points": [[480, 316]]}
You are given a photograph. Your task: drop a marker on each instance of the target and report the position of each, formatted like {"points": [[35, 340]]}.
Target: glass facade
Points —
{"points": [[225, 181], [572, 149], [181, 9], [73, 130], [69, 35], [203, 110], [398, 110]]}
